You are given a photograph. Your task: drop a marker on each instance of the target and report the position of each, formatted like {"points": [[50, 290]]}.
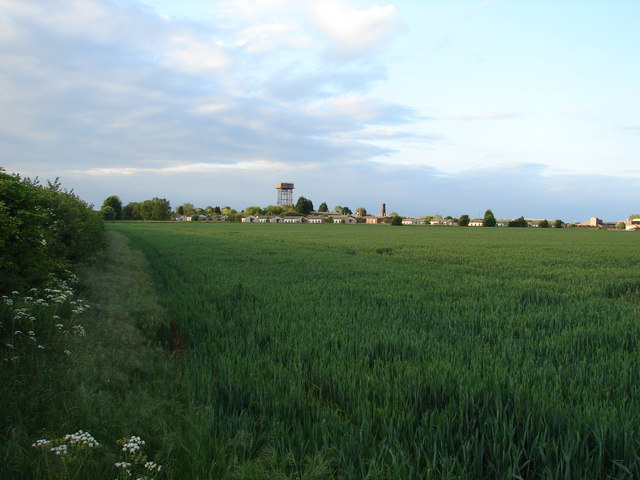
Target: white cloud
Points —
{"points": [[353, 32]]}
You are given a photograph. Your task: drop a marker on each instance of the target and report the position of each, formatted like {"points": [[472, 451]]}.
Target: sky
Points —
{"points": [[430, 106]]}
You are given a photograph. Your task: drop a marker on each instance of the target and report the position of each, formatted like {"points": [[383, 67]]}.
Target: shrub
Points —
{"points": [[43, 230]]}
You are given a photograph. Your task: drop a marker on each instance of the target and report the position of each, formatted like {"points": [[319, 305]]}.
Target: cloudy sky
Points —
{"points": [[432, 106]]}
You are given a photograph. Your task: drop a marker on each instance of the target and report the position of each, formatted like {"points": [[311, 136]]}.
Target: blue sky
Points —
{"points": [[433, 107]]}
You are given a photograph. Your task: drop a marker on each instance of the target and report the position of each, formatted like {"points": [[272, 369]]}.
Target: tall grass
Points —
{"points": [[415, 352]]}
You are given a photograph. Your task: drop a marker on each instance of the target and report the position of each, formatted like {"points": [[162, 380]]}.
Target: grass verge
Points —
{"points": [[101, 369]]}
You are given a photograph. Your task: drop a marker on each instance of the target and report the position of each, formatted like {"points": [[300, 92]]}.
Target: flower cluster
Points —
{"points": [[135, 462], [74, 448], [81, 438], [133, 445], [32, 321]]}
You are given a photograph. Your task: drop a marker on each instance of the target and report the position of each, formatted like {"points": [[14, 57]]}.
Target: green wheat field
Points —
{"points": [[405, 352]]}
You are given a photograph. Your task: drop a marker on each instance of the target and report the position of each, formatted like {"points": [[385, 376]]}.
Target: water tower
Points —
{"points": [[285, 194]]}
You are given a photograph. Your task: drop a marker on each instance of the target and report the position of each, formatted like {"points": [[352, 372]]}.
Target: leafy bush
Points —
{"points": [[43, 230]]}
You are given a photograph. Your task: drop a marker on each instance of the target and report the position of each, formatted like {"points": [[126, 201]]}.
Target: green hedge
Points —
{"points": [[44, 230]]}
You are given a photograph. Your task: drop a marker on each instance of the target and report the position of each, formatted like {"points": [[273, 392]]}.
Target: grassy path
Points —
{"points": [[114, 381]]}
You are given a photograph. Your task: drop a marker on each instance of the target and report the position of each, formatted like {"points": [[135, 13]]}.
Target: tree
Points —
{"points": [[304, 206], [273, 210], [396, 220], [544, 224], [346, 211], [180, 210], [323, 207], [621, 226], [114, 202], [253, 211], [187, 209], [489, 220], [108, 213], [558, 224], [634, 216], [127, 213], [463, 221], [361, 212], [518, 222]]}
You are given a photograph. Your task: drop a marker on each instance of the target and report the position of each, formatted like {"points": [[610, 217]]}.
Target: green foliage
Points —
{"points": [[345, 211], [489, 220], [273, 210], [558, 224], [323, 207], [108, 213], [518, 222], [82, 363], [429, 353], [304, 206], [544, 224], [116, 204], [621, 226], [396, 220], [634, 216], [253, 211], [43, 231], [463, 221]]}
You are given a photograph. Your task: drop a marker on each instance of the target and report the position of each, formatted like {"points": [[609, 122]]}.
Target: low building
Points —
{"points": [[292, 219], [275, 219], [475, 222], [248, 219], [372, 219], [345, 219], [316, 219]]}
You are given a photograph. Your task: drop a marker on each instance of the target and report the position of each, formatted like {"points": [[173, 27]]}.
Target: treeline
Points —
{"points": [[154, 209], [44, 230]]}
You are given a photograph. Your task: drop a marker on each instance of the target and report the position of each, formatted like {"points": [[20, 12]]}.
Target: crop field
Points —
{"points": [[367, 351]]}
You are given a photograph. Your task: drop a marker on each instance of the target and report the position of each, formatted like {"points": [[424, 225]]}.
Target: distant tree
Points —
{"points": [[634, 216], [558, 224], [108, 213], [396, 220], [228, 211], [253, 211], [489, 220], [361, 211], [208, 210], [463, 221], [127, 212], [544, 224], [273, 210], [323, 207], [346, 211], [621, 226], [519, 222], [304, 206], [114, 202], [448, 217], [180, 210], [217, 210], [187, 209], [337, 209], [133, 211], [394, 214], [194, 218]]}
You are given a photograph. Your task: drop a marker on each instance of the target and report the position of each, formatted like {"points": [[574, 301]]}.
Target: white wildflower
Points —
{"points": [[40, 347], [122, 465], [79, 330], [60, 449], [67, 352], [41, 443]]}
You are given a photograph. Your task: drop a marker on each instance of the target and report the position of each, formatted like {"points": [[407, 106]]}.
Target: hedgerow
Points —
{"points": [[44, 230]]}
